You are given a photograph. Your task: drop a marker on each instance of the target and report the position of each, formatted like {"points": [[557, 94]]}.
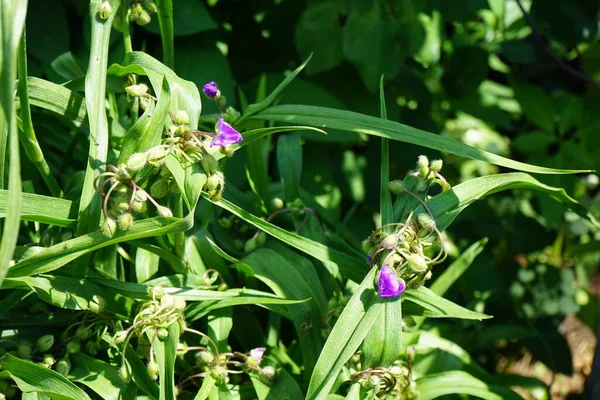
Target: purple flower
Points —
{"points": [[389, 285], [226, 135], [211, 90], [369, 259], [257, 353]]}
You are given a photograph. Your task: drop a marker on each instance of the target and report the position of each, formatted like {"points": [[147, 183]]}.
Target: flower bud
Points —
{"points": [[422, 185], [436, 165], [227, 150], [156, 292], [135, 12], [204, 357], [426, 221], [144, 18], [261, 239], [182, 118], [416, 262], [24, 350], [215, 196], [92, 348], [423, 164], [63, 366], [136, 161], [109, 227], [219, 373], [232, 115], [396, 186], [213, 182], [139, 206], [137, 90], [105, 10], [167, 301], [269, 374], [44, 343], [120, 337], [277, 203], [97, 304], [144, 102], [389, 242], [125, 221], [211, 90], [124, 373], [49, 359], [163, 211], [162, 334], [74, 346], [250, 245], [153, 370], [225, 222], [182, 349], [156, 155], [150, 6], [179, 304]]}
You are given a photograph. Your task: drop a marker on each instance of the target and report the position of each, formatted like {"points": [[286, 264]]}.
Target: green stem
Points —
{"points": [[179, 237], [135, 104], [27, 134]]}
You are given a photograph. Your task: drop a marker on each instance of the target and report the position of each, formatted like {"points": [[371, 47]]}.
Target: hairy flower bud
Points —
{"points": [[182, 118], [269, 374], [137, 90], [179, 304], [120, 337], [63, 366], [423, 164], [156, 155], [167, 301], [390, 241], [156, 292], [150, 6], [204, 357], [136, 161], [164, 211], [97, 304], [182, 349], [74, 346], [416, 262], [124, 373], [24, 350], [162, 334], [105, 10], [436, 165], [144, 18], [49, 359], [44, 343], [250, 245], [396, 186], [426, 221], [153, 370], [109, 227]]}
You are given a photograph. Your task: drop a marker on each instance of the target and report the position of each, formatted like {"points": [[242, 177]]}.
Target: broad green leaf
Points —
{"points": [[350, 266], [58, 99], [190, 179], [44, 209], [101, 377], [258, 107], [447, 205], [67, 66], [354, 122], [148, 130], [90, 205], [32, 377], [27, 133], [12, 18], [284, 387], [423, 302], [441, 285], [148, 270], [139, 374], [289, 163], [165, 22], [536, 105], [459, 382], [146, 264], [12, 300], [208, 383], [184, 94], [58, 255], [219, 324], [356, 320], [294, 280]]}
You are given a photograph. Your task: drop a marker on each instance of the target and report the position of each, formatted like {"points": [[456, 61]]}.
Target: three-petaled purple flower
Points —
{"points": [[226, 135], [389, 285], [211, 90], [257, 353]]}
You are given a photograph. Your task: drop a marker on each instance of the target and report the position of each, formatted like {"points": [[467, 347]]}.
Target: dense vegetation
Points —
{"points": [[318, 199]]}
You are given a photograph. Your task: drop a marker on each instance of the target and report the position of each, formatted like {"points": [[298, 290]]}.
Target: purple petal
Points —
{"points": [[369, 259], [389, 285], [257, 353], [226, 135], [211, 90]]}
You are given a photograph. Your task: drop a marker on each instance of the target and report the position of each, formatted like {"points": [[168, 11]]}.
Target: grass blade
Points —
{"points": [[165, 23]]}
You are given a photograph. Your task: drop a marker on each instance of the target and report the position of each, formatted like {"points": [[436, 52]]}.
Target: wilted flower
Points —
{"points": [[211, 90], [257, 353], [389, 285], [226, 135]]}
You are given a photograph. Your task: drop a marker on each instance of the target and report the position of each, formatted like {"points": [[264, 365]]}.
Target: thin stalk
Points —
{"points": [[179, 237], [27, 134], [127, 43]]}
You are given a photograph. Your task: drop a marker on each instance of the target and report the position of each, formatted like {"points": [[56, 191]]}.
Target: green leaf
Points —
{"points": [[190, 179], [31, 377], [44, 209], [289, 162], [101, 377], [148, 130], [320, 30], [258, 107], [58, 255], [536, 105], [139, 374], [284, 387], [189, 18], [447, 205], [12, 18], [90, 205], [165, 352], [354, 122], [385, 197], [208, 383], [361, 312], [184, 94], [457, 268], [167, 35], [459, 382], [219, 324], [58, 99], [423, 302], [350, 266]]}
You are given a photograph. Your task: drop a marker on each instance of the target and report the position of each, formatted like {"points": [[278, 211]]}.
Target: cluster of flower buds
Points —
{"points": [[140, 11], [401, 249], [155, 315]]}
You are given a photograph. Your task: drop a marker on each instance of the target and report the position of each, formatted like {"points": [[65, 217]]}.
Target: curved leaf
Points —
{"points": [[459, 382]]}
